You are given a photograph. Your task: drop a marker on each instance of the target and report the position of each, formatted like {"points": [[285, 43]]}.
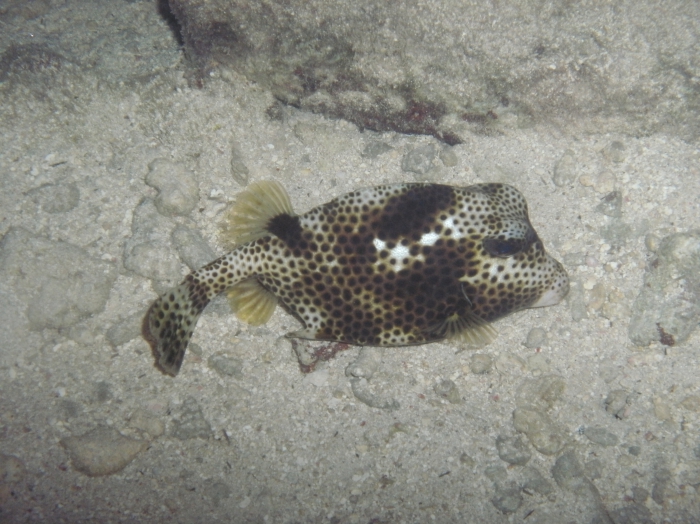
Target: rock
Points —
{"points": [[611, 205], [367, 362], [60, 282], [102, 451], [593, 469], [376, 64], [152, 425], [513, 450], [191, 422], [448, 157], [667, 309], [56, 198], [178, 193], [542, 433], [691, 403], [419, 160], [565, 169], [448, 390], [507, 499], [536, 337], [126, 329], [601, 436], [496, 473], [616, 403], [540, 393], [662, 485], [534, 481], [569, 475], [363, 393], [12, 469], [239, 171], [216, 491], [633, 514], [480, 364], [226, 366], [191, 247], [375, 148], [615, 152]]}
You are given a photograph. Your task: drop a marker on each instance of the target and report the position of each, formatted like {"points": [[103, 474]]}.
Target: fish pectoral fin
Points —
{"points": [[465, 328], [306, 333], [251, 302], [246, 220]]}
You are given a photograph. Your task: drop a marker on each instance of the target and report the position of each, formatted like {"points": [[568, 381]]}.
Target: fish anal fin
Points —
{"points": [[246, 220], [251, 302], [466, 328]]}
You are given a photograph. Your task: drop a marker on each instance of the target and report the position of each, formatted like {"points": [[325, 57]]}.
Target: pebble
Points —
{"points": [[142, 420], [226, 366], [239, 171], [419, 160], [513, 450], [542, 433], [577, 302], [597, 296], [480, 364], [615, 152], [191, 247], [691, 403], [569, 475], [601, 436], [662, 485], [632, 514], [375, 148], [611, 205], [509, 364], [447, 389], [191, 423], [102, 451], [536, 337], [56, 198], [507, 499], [102, 392], [12, 469], [366, 363], [217, 491], [534, 481], [616, 403], [593, 469], [126, 329], [178, 192], [448, 157], [565, 169], [362, 392], [667, 310], [540, 393], [60, 282], [496, 473]]}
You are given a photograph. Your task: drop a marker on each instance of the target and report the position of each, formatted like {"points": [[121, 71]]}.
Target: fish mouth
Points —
{"points": [[557, 291]]}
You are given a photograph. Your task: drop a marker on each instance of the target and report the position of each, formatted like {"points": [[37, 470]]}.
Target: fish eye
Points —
{"points": [[502, 248]]}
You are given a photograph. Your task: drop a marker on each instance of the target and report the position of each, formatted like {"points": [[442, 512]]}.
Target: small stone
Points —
{"points": [[696, 451], [152, 425], [126, 329], [56, 198], [375, 148], [639, 494], [507, 499], [226, 366], [601, 436], [216, 491], [538, 364], [611, 205], [635, 451], [544, 436], [633, 514], [577, 303], [102, 392], [102, 451], [191, 247], [691, 477], [597, 296], [593, 469], [616, 403], [496, 473], [178, 192], [366, 363], [466, 460], [510, 364], [152, 260], [540, 393], [604, 182], [419, 160], [662, 409], [448, 157], [537, 337], [513, 450], [191, 423], [480, 364], [447, 389], [239, 171], [661, 486], [363, 393], [565, 169], [691, 403], [615, 152], [534, 481], [12, 469]]}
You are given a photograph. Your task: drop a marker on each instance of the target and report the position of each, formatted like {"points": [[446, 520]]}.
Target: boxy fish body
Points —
{"points": [[391, 265]]}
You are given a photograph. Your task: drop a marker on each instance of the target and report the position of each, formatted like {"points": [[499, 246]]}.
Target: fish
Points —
{"points": [[390, 265]]}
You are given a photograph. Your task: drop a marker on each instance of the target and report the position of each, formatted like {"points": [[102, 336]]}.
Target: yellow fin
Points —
{"points": [[248, 217], [467, 328], [251, 302]]}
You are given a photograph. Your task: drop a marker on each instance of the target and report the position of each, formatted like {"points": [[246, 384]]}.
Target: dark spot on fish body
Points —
{"points": [[412, 210], [287, 228]]}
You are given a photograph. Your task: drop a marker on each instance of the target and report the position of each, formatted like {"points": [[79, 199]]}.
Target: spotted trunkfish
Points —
{"points": [[392, 265]]}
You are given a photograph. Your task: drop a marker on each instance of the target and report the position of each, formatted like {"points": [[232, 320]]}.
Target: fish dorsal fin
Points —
{"points": [[467, 328], [251, 302], [247, 219]]}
